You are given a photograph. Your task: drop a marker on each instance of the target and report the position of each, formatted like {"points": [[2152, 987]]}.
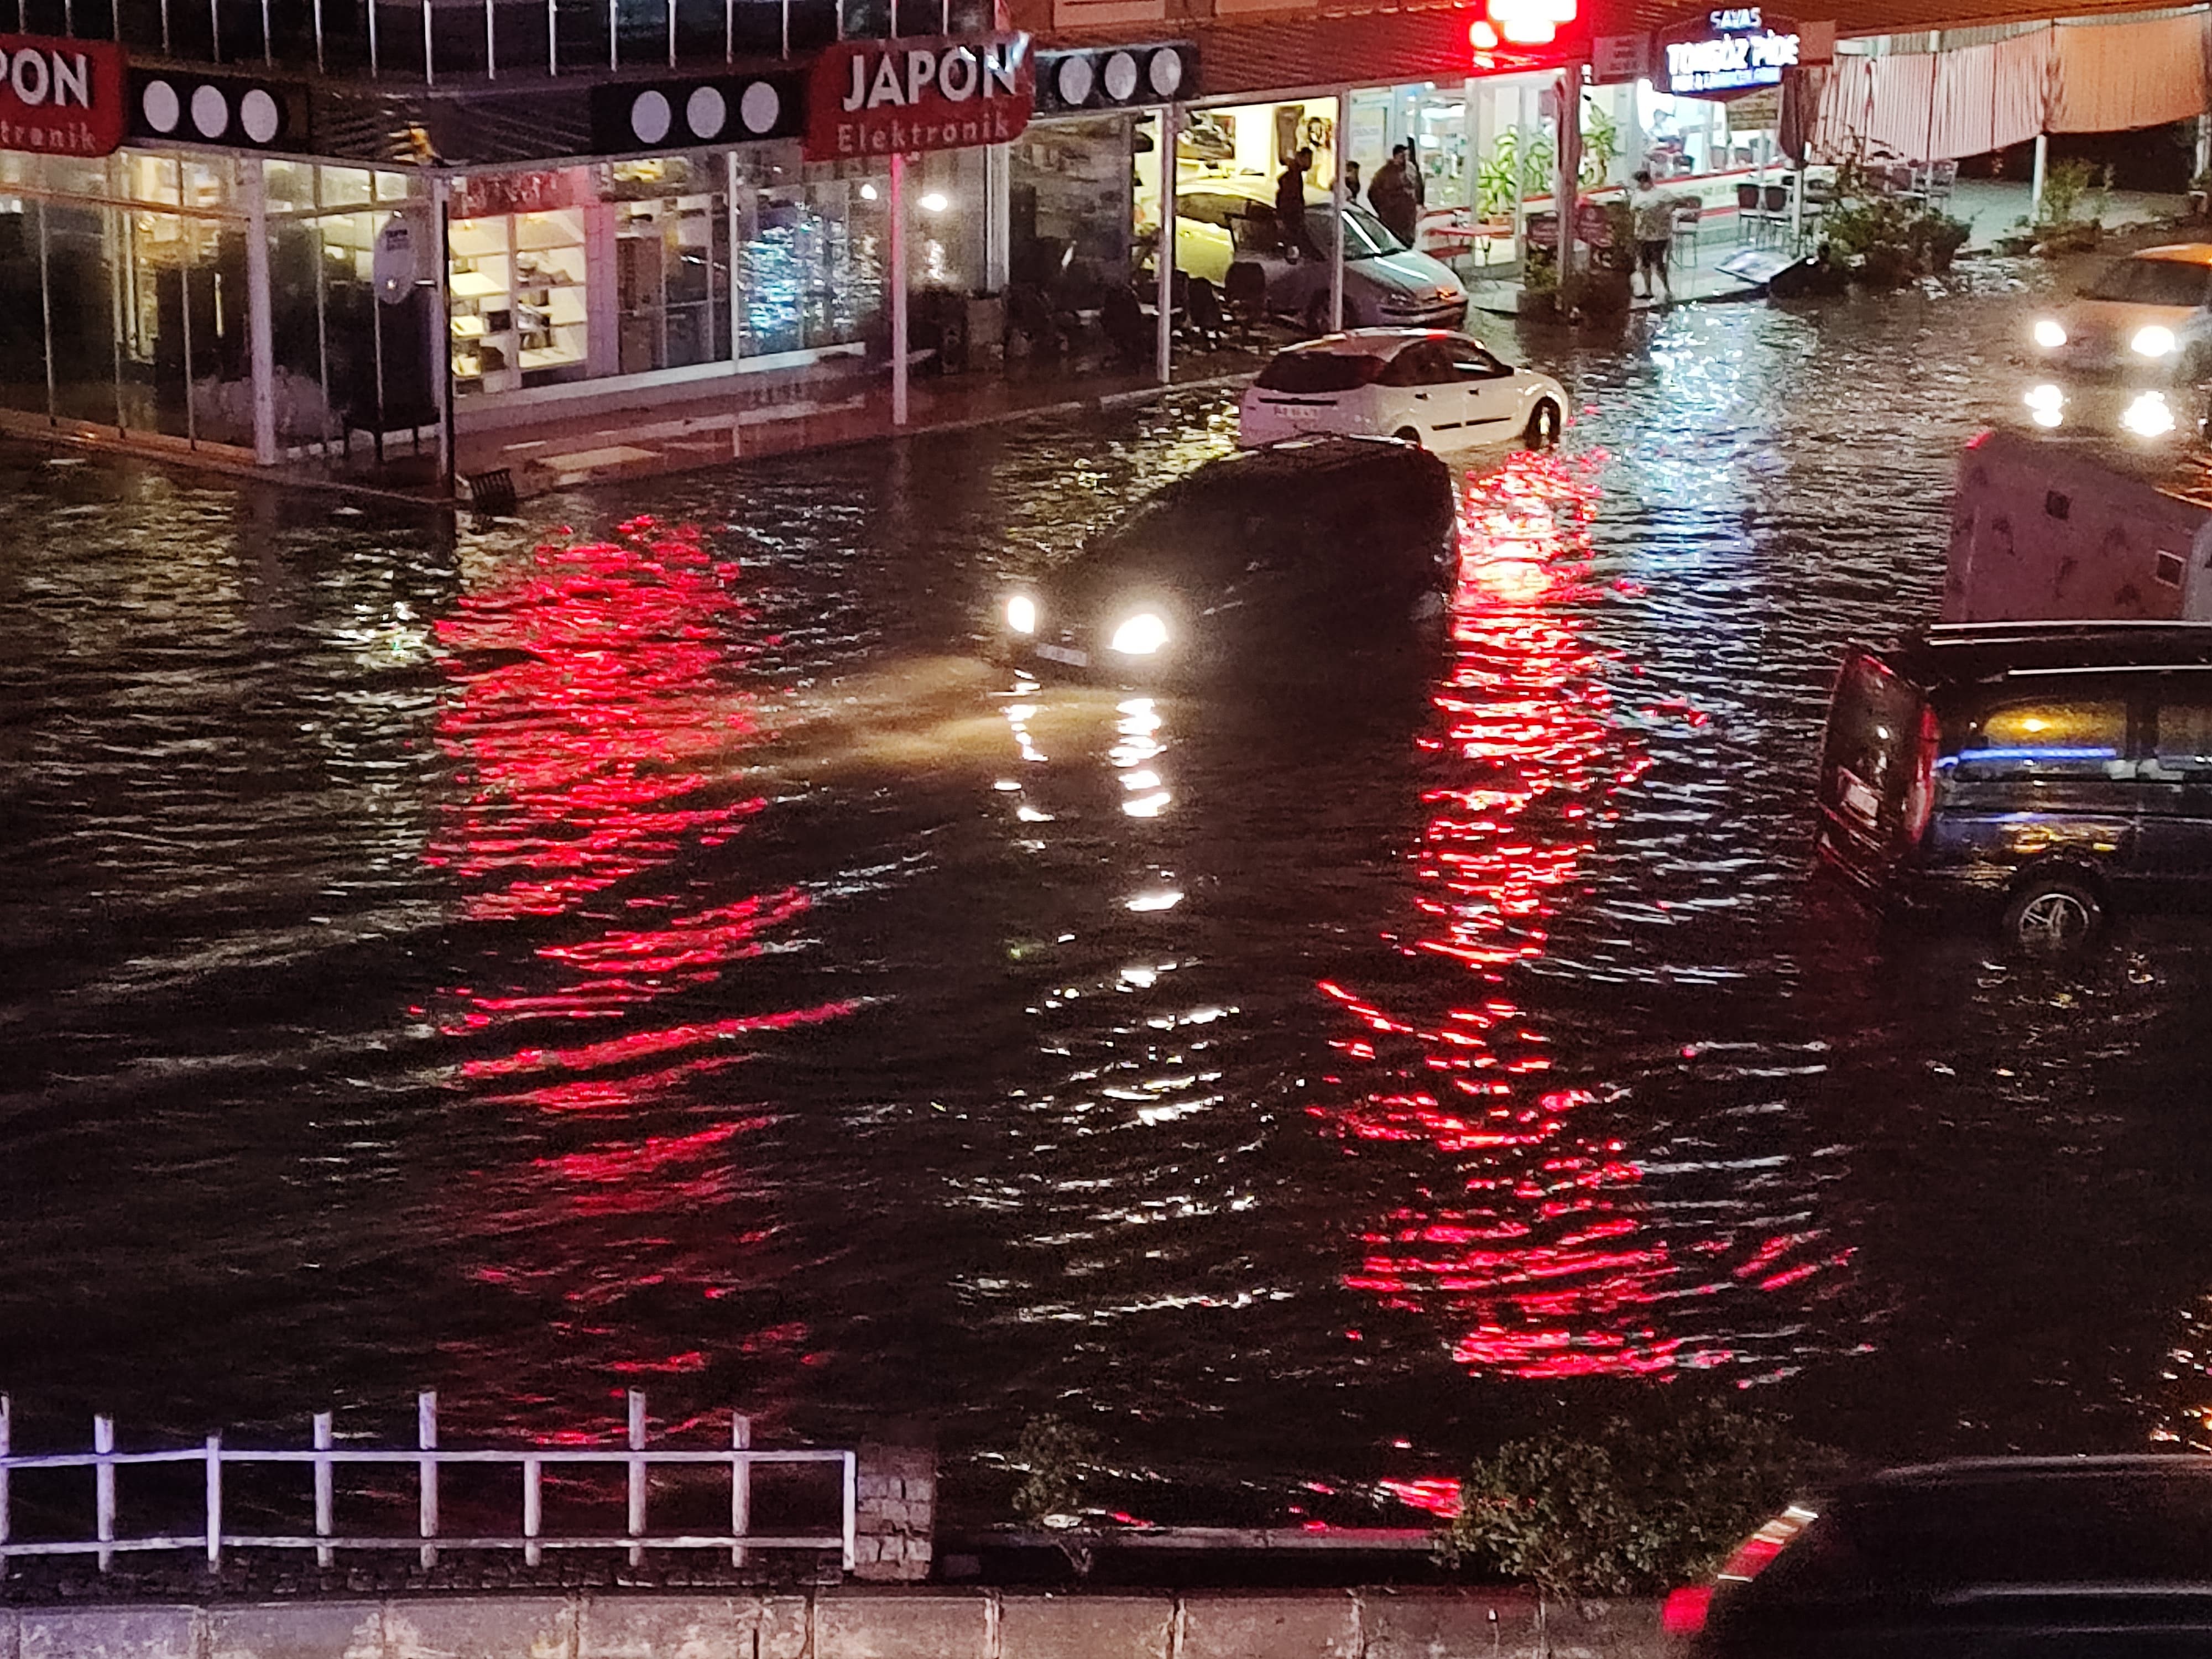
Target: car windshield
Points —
{"points": [[2152, 283], [1320, 371]]}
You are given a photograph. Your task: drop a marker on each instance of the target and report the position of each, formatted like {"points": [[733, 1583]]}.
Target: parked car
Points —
{"points": [[1221, 222], [2052, 772], [1279, 563], [2148, 316], [2052, 1558], [1425, 386]]}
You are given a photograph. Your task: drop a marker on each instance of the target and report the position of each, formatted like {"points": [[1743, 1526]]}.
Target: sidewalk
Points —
{"points": [[844, 403]]}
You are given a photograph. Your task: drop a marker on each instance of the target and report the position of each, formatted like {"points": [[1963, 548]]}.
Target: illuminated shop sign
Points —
{"points": [[886, 97], [1735, 49], [60, 97]]}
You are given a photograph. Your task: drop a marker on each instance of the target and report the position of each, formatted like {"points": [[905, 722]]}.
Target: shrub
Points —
{"points": [[1054, 1456]]}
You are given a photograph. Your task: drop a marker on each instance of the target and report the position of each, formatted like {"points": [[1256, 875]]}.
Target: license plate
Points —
{"points": [[1861, 802], [1062, 653]]}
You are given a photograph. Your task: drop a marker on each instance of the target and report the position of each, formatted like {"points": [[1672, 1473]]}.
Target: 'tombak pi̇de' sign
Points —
{"points": [[60, 97], [1726, 51], [898, 97]]}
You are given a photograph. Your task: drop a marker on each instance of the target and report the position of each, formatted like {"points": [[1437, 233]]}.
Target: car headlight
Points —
{"points": [[1021, 614], [2150, 416], [2050, 333], [2154, 341], [1141, 635]]}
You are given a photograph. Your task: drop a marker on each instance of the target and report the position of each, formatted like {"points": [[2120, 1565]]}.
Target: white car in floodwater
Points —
{"points": [[1428, 386]]}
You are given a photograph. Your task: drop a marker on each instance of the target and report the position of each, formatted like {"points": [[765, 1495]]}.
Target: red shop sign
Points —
{"points": [[61, 97], [887, 97]]}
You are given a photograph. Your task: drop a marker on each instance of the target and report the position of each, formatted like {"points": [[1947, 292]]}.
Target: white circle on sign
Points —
{"points": [[159, 101], [210, 113], [1074, 80], [259, 114], [1165, 71], [1121, 77], [704, 111], [649, 118], [760, 106]]}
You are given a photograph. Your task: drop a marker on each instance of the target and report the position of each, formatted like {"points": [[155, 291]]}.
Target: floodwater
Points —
{"points": [[645, 946]]}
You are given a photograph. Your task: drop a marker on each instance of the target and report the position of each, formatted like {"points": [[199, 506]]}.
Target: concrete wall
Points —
{"points": [[849, 1624]]}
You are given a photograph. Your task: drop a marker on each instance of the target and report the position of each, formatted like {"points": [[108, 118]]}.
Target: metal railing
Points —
{"points": [[324, 1458]]}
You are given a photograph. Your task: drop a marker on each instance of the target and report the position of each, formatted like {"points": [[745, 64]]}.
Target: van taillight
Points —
{"points": [[1920, 795], [1685, 1610]]}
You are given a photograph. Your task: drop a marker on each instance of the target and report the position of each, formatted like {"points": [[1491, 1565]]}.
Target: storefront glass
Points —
{"points": [[1079, 193], [672, 231], [811, 246]]}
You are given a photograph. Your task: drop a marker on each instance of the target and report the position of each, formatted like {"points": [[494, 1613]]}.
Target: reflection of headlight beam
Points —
{"points": [[2148, 416], [2046, 405]]}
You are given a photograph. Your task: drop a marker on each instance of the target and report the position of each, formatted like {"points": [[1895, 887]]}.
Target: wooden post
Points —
{"points": [[215, 1503], [741, 1485], [426, 1439], [103, 1488], [636, 1475], [325, 1508], [533, 1509]]}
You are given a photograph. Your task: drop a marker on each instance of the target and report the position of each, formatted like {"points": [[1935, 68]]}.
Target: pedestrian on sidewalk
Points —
{"points": [[1352, 181], [1651, 213], [1390, 198], [1291, 206]]}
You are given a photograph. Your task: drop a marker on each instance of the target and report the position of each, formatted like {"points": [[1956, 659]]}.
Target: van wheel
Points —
{"points": [[1543, 429], [1406, 434], [2052, 916]]}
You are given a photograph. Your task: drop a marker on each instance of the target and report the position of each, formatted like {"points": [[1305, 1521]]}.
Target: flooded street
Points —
{"points": [[647, 946]]}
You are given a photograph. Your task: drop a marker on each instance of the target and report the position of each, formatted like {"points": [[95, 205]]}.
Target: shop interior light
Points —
{"points": [[867, 193], [1482, 36]]}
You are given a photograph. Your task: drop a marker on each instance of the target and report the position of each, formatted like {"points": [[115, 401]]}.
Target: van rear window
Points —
{"points": [[1873, 727], [1310, 373]]}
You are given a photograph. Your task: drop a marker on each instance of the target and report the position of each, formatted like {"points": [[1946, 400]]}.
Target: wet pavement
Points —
{"points": [[644, 945]]}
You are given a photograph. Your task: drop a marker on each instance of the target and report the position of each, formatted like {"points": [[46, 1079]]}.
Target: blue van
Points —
{"points": [[2048, 774]]}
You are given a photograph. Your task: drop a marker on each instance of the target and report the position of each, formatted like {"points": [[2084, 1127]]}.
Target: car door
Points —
{"points": [[2042, 776], [1490, 399], [2173, 852], [1423, 387]]}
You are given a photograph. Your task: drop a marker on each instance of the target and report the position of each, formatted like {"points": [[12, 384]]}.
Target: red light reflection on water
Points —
{"points": [[593, 729], [1527, 1235]]}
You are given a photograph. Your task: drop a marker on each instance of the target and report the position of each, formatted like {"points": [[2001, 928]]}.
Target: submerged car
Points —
{"points": [[1271, 564], [2050, 773], [2023, 1557], [2148, 316], [1425, 386], [1386, 284]]}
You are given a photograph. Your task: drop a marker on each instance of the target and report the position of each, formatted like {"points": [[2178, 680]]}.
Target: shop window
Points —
{"points": [[518, 312], [23, 338], [1072, 206], [672, 264], [81, 242], [811, 257]]}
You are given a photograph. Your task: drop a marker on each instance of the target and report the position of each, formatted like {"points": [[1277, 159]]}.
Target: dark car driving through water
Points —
{"points": [[2052, 773], [2045, 1557], [1281, 563]]}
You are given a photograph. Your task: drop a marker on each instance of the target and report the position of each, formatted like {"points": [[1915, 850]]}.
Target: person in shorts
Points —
{"points": [[1652, 212]]}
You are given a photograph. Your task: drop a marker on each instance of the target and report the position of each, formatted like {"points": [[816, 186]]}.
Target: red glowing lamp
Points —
{"points": [[1522, 22]]}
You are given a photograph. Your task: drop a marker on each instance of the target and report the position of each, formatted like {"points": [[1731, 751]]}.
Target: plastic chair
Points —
{"points": [[1943, 179], [1747, 214], [1244, 286], [1685, 229]]}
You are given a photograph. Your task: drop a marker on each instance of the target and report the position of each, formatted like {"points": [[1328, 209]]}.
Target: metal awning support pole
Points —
{"points": [[260, 337], [5, 1443], [2035, 184], [899, 290], [1336, 211], [1566, 164], [852, 1509], [1163, 256], [326, 1505], [215, 1503], [103, 1481], [741, 1485], [426, 1439], [637, 1475]]}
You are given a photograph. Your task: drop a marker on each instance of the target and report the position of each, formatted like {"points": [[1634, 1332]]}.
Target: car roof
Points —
{"points": [[2190, 253], [1299, 458], [1962, 653], [1374, 341]]}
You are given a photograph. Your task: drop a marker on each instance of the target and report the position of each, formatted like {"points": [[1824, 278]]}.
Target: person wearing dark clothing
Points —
{"points": [[1291, 207], [1352, 181], [1390, 198]]}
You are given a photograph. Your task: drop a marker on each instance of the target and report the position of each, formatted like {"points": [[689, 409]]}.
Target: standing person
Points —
{"points": [[1352, 181], [1652, 215], [1390, 197], [1291, 206], [1414, 176]]}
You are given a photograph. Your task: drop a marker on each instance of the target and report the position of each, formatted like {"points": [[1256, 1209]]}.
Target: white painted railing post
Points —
{"points": [[426, 1439], [533, 1509], [215, 1503], [325, 1508], [852, 1508], [741, 1485], [103, 1488], [637, 1475], [4, 1444]]}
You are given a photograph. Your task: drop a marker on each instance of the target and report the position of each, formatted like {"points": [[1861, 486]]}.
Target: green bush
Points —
{"points": [[1631, 1507], [2066, 187], [1055, 1456]]}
